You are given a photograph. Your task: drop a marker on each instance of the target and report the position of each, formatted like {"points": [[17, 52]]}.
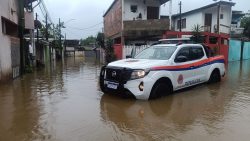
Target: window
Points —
{"points": [[133, 8], [221, 16], [157, 53], [183, 24], [196, 53], [184, 52], [9, 27]]}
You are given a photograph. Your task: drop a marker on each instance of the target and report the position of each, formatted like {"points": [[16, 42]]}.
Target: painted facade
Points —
{"points": [[207, 18], [134, 21]]}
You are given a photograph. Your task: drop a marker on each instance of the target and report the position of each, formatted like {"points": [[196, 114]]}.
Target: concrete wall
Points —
{"points": [[141, 8], [5, 40]]}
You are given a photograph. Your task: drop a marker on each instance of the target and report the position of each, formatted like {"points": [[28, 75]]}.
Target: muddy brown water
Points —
{"points": [[63, 103]]}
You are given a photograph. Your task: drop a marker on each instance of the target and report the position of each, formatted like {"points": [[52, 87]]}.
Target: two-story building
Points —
{"points": [[10, 50], [207, 17], [135, 21]]}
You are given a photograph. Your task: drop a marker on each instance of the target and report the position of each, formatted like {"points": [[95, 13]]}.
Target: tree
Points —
{"points": [[109, 51], [88, 41], [245, 23], [100, 40], [196, 30]]}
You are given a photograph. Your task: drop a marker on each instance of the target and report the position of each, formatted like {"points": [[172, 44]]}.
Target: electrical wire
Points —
{"points": [[93, 26]]}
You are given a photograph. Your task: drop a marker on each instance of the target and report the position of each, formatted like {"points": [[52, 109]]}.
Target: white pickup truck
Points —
{"points": [[161, 69]]}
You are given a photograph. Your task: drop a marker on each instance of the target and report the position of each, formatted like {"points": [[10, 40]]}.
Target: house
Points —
{"points": [[135, 21], [10, 32], [236, 21], [10, 43], [207, 17]]}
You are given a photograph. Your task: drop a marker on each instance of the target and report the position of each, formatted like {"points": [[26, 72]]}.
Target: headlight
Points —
{"points": [[137, 74]]}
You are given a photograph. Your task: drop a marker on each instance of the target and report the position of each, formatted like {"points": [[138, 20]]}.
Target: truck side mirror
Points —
{"points": [[181, 59]]}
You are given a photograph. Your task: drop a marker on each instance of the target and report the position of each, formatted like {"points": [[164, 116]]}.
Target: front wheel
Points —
{"points": [[215, 77], [160, 89]]}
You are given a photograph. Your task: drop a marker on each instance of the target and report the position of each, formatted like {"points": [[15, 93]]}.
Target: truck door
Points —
{"points": [[183, 73], [198, 61]]}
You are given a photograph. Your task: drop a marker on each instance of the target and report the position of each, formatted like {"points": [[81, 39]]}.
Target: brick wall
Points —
{"points": [[113, 19]]}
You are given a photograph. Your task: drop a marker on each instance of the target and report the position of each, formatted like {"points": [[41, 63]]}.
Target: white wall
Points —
{"points": [[227, 20], [199, 18], [191, 20], [142, 8], [226, 11], [5, 45]]}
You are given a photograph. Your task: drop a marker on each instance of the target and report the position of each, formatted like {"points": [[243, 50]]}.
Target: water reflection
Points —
{"points": [[165, 118]]}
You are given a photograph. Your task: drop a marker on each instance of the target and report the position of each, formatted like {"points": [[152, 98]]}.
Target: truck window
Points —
{"points": [[196, 53], [184, 52]]}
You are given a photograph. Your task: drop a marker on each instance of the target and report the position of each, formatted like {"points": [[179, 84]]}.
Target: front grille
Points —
{"points": [[120, 75], [113, 74]]}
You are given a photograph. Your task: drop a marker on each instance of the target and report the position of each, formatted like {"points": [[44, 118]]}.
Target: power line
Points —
{"points": [[76, 28]]}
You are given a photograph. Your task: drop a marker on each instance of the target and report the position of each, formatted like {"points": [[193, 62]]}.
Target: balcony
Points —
{"points": [[154, 27]]}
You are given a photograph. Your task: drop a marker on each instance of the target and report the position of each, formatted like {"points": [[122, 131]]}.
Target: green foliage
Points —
{"points": [[245, 23], [109, 51], [88, 41], [50, 31], [196, 30], [100, 40]]}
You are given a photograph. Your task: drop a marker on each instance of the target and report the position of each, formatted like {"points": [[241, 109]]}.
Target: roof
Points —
{"points": [[161, 1], [205, 7]]}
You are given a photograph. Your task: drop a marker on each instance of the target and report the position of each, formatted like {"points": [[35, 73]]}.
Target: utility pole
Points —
{"points": [[21, 35], [180, 4], [218, 18], [46, 32], [170, 15], [37, 32], [60, 37]]}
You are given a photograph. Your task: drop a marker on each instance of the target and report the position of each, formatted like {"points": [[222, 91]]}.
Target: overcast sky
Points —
{"points": [[83, 18]]}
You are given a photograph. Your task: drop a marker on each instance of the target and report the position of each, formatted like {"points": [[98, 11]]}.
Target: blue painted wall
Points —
{"points": [[246, 51], [234, 50]]}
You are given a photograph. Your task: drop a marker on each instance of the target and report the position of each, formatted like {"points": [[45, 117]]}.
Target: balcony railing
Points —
{"points": [[155, 24], [155, 27]]}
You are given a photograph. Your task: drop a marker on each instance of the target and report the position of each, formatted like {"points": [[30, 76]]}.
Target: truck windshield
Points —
{"points": [[156, 53]]}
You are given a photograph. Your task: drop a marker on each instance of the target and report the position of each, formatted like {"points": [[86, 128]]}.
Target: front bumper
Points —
{"points": [[125, 87]]}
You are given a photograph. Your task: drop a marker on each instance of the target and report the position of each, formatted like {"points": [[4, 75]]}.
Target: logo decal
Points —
{"points": [[114, 74], [180, 79]]}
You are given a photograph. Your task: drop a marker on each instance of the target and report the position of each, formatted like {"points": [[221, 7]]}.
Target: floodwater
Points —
{"points": [[64, 103]]}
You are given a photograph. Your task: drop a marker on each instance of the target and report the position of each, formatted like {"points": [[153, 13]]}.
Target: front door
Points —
{"points": [[152, 12], [208, 22]]}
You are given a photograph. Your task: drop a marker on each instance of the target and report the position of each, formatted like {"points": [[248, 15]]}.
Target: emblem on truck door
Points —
{"points": [[180, 79], [114, 74]]}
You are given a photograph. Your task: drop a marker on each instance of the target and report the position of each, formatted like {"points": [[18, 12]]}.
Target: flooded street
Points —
{"points": [[64, 103]]}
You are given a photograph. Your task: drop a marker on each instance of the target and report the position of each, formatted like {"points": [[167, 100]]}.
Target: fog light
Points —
{"points": [[141, 86]]}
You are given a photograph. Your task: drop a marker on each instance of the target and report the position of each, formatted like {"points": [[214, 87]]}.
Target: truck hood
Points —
{"points": [[138, 63]]}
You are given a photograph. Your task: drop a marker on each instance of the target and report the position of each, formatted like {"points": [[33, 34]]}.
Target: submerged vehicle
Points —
{"points": [[161, 69]]}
